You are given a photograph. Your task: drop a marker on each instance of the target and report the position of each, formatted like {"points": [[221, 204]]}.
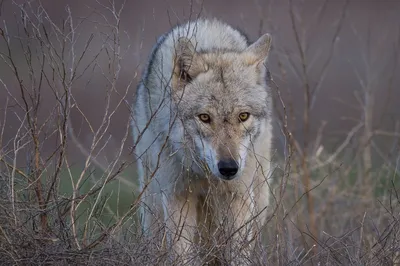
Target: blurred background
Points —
{"points": [[350, 47]]}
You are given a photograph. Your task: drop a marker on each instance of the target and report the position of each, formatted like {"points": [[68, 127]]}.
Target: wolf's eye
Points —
{"points": [[243, 116], [205, 118]]}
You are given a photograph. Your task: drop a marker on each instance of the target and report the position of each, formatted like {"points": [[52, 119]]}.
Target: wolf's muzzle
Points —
{"points": [[228, 168]]}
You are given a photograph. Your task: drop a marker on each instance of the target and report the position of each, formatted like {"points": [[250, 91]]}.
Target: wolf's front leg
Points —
{"points": [[239, 229], [181, 223]]}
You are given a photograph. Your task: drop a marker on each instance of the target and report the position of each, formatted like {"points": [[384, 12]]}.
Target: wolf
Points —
{"points": [[202, 137]]}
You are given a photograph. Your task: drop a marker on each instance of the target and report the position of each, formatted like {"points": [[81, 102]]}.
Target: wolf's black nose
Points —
{"points": [[228, 168]]}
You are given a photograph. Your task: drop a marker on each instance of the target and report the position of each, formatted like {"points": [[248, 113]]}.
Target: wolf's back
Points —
{"points": [[206, 35]]}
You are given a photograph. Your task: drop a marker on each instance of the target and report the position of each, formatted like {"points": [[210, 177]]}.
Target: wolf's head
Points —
{"points": [[223, 102]]}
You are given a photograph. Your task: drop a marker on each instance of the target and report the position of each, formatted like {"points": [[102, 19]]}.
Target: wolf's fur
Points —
{"points": [[186, 165]]}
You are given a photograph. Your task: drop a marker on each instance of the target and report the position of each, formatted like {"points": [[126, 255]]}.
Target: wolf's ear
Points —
{"points": [[259, 50], [185, 52], [187, 62]]}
